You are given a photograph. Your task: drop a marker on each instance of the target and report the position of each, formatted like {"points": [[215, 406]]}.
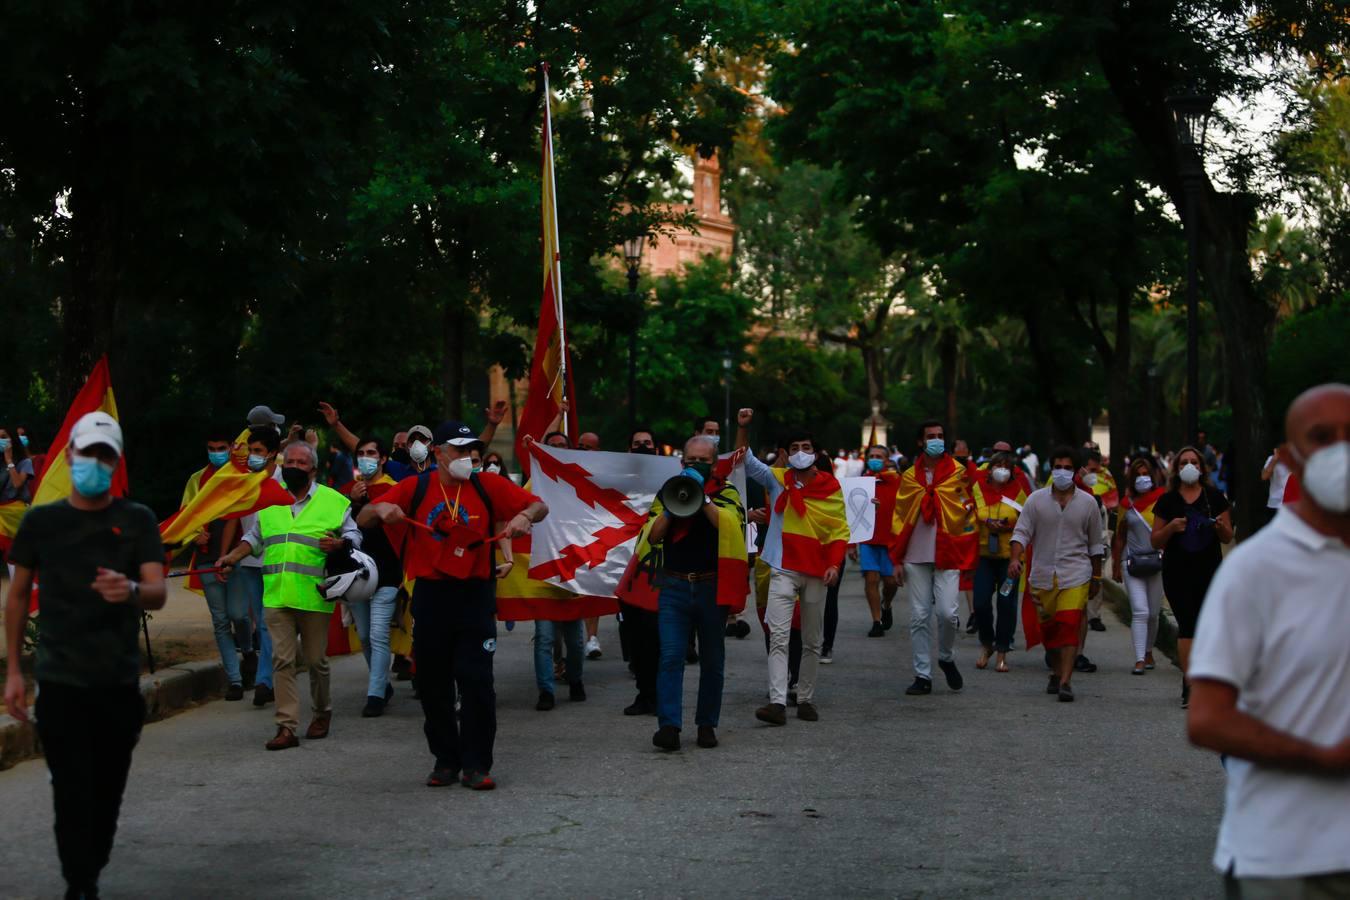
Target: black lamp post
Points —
{"points": [[1190, 114], [632, 252]]}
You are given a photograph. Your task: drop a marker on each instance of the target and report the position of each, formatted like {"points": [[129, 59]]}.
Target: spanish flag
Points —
{"points": [[815, 527], [230, 492], [638, 586], [551, 369], [946, 502], [96, 396], [1143, 505], [10, 514]]}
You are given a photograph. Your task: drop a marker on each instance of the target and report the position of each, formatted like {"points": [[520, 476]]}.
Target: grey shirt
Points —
{"points": [[1065, 538], [349, 530]]}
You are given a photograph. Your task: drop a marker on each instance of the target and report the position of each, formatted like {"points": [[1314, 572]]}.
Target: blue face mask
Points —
{"points": [[5, 444], [89, 476], [23, 439], [367, 465], [256, 463], [935, 446], [218, 458], [876, 465]]}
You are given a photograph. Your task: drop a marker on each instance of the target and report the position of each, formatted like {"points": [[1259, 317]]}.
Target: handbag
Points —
{"points": [[1142, 565]]}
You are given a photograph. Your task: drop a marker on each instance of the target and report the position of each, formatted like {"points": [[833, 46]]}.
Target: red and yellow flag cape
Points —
{"points": [[1143, 504], [815, 527], [96, 396], [231, 491], [947, 503]]}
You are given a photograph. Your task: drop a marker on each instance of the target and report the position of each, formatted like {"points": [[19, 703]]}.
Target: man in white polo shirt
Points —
{"points": [[1270, 674]]}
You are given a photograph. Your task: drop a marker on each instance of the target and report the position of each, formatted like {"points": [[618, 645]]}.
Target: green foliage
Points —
{"points": [[1309, 349]]}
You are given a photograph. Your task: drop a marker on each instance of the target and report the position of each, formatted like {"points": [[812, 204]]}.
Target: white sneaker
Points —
{"points": [[593, 647], [826, 657]]}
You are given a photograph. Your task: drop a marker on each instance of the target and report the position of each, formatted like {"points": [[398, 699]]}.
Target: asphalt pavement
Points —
{"points": [[995, 791]]}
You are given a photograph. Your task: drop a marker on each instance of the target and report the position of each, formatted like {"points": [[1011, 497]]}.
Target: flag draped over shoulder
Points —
{"points": [[815, 526], [232, 491], [945, 502], [551, 368], [96, 396], [10, 514], [1143, 505], [638, 586]]}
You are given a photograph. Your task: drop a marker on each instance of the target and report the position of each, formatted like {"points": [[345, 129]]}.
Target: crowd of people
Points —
{"points": [[416, 535]]}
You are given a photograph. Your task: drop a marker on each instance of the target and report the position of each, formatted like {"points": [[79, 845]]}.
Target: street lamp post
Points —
{"points": [[726, 377], [1190, 114], [632, 252]]}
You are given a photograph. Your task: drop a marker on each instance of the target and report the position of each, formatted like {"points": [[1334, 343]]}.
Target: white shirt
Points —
{"points": [[922, 546], [854, 468], [1279, 477], [1274, 625], [840, 466], [1063, 538]]}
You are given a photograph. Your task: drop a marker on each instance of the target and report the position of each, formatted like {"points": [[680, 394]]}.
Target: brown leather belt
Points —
{"points": [[691, 577]]}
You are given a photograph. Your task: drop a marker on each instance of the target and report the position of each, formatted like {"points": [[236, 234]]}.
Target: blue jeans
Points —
{"points": [[685, 606], [229, 620], [989, 577], [246, 583], [574, 636], [372, 619]]}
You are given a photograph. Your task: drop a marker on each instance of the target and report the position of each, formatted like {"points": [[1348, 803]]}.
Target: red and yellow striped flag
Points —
{"points": [[232, 491], [551, 369], [815, 528], [96, 396]]}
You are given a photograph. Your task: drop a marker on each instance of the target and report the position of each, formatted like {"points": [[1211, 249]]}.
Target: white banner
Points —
{"points": [[859, 493], [597, 504]]}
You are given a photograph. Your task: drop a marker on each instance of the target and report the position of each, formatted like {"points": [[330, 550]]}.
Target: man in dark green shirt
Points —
{"points": [[100, 564]]}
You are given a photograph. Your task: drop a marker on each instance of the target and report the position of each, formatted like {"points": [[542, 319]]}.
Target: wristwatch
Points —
{"points": [[135, 591]]}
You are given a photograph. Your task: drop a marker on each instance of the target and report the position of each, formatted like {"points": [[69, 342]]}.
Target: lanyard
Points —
{"points": [[454, 511]]}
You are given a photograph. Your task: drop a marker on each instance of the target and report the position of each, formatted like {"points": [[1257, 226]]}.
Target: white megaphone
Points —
{"points": [[682, 496]]}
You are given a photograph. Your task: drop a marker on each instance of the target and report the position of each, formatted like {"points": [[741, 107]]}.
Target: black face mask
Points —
{"points": [[962, 459], [400, 455], [296, 479], [645, 451]]}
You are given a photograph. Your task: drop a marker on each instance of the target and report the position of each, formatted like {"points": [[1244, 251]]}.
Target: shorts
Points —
{"points": [[1061, 614], [876, 558]]}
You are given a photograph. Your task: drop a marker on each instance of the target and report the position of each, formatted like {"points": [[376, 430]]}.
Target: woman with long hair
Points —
{"points": [[1190, 522], [1135, 562]]}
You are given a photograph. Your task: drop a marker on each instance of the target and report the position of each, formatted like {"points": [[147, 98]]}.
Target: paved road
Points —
{"points": [[998, 790]]}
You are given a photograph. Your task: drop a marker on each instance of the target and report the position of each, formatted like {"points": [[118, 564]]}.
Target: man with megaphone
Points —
{"points": [[699, 535], [805, 547]]}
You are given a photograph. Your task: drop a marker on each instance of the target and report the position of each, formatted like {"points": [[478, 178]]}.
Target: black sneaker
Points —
{"points": [[740, 629], [1065, 694], [1052, 687], [1096, 625], [388, 692], [921, 687], [954, 680], [234, 692], [707, 737], [667, 737], [792, 698], [887, 618], [374, 708], [576, 692], [639, 707], [545, 702], [478, 781], [772, 713], [248, 669], [1083, 664], [1185, 695], [877, 630], [262, 695], [442, 777], [971, 626]]}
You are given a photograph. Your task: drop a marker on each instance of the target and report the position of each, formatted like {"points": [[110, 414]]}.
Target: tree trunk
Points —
{"points": [[452, 360], [88, 313], [1118, 387], [949, 366], [1061, 418], [876, 375]]}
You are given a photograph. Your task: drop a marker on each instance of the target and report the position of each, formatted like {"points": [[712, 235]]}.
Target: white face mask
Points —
{"points": [[802, 459], [460, 469], [1326, 478], [1090, 479], [1062, 479], [494, 468], [1143, 484], [999, 474], [418, 451], [1190, 473]]}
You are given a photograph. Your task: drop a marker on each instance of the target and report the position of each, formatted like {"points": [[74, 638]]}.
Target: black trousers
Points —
{"points": [[87, 737], [642, 636], [832, 609], [454, 641]]}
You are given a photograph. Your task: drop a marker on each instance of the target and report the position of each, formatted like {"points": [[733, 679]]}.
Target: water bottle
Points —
{"points": [[1006, 588]]}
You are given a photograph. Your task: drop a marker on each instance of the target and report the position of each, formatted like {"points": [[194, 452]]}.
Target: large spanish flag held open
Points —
{"points": [[95, 396], [232, 491], [551, 369]]}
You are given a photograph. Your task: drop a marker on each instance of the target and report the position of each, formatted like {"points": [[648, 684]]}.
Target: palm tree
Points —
{"points": [[934, 341]]}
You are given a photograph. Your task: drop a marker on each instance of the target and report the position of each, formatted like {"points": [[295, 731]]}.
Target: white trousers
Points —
{"points": [[784, 588], [1146, 596], [932, 589]]}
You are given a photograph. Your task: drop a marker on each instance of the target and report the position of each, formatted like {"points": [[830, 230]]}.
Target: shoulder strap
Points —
{"points": [[491, 516], [419, 494]]}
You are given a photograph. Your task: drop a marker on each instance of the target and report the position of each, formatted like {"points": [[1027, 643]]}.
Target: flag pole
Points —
{"points": [[556, 262]]}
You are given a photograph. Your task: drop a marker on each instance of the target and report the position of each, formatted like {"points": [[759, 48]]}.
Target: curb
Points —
{"points": [[165, 692]]}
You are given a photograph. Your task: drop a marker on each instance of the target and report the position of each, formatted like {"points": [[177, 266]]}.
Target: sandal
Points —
{"points": [[983, 661], [1148, 661], [1139, 668]]}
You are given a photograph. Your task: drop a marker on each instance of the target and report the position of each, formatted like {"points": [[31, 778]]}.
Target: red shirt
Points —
{"points": [[460, 500]]}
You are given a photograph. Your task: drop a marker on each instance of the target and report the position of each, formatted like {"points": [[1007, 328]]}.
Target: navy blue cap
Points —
{"points": [[456, 434]]}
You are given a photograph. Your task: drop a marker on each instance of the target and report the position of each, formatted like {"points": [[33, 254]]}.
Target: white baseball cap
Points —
{"points": [[419, 429], [96, 428]]}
